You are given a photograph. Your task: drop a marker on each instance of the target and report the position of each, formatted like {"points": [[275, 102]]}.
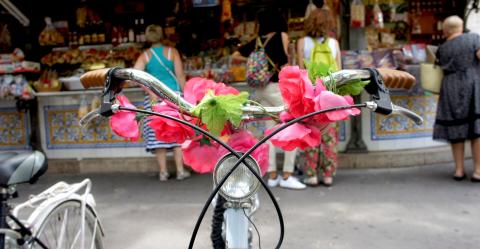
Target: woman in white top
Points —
{"points": [[317, 26]]}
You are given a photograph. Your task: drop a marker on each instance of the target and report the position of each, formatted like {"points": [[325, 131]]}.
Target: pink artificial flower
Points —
{"points": [[297, 90], [319, 87], [298, 135], [326, 100], [124, 123], [167, 130], [222, 89], [244, 140], [285, 117], [196, 88], [200, 157]]}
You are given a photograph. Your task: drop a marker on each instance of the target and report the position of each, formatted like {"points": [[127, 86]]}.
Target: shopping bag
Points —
{"points": [[431, 76]]}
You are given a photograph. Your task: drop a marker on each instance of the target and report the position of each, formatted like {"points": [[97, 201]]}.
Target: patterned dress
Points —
{"points": [[458, 110], [161, 68]]}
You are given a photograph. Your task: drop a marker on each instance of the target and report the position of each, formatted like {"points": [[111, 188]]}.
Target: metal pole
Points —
{"points": [[356, 143]]}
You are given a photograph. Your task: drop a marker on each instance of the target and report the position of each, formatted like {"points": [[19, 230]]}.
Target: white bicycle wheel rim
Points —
{"points": [[61, 228]]}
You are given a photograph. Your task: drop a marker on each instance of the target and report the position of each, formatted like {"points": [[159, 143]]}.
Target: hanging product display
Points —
{"points": [[226, 10], [357, 12], [49, 35], [310, 7], [377, 16]]}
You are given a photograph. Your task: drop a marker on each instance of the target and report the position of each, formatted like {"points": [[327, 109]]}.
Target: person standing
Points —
{"points": [[458, 110], [317, 46], [273, 38], [165, 64]]}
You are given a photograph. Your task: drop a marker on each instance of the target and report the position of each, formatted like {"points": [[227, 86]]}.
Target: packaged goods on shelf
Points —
{"points": [[15, 86], [20, 67], [91, 57], [226, 69], [380, 58]]}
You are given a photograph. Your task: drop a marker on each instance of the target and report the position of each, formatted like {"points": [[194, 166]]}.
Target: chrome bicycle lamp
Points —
{"points": [[241, 184]]}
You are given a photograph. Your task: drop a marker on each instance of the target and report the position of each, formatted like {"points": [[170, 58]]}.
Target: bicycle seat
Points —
{"points": [[5, 155], [21, 168]]}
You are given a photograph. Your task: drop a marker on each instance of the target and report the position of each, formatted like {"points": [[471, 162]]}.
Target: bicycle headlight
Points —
{"points": [[241, 184]]}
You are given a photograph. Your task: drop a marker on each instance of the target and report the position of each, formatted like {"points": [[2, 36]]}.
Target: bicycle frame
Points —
{"points": [[38, 207]]}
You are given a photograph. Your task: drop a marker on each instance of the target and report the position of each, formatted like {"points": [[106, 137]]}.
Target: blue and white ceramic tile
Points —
{"points": [[398, 127], [64, 132]]}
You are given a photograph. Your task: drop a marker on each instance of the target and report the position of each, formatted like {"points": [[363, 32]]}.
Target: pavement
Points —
{"points": [[414, 207]]}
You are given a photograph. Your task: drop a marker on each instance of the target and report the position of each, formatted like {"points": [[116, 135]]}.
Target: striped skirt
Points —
{"points": [[151, 142]]}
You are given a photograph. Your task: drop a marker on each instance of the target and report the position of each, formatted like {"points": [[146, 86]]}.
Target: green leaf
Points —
{"points": [[216, 111], [317, 70], [353, 88]]}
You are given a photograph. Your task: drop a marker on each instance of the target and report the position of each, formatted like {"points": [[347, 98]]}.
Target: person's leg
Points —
{"points": [[177, 155], [458, 150], [268, 96], [311, 165], [272, 161], [475, 143], [289, 181], [181, 172], [328, 157], [289, 163], [161, 156]]}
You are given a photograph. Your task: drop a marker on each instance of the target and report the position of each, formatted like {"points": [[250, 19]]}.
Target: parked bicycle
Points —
{"points": [[63, 216], [236, 176]]}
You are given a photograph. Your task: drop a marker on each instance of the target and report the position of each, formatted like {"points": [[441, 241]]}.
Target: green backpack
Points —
{"points": [[321, 53]]}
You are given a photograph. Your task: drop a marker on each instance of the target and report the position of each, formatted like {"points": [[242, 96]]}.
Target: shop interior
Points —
{"points": [[89, 34]]}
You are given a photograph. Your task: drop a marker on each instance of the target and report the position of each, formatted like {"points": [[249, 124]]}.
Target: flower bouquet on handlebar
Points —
{"points": [[208, 123]]}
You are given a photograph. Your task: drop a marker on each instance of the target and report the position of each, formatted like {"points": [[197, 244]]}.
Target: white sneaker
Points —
{"points": [[292, 183], [273, 182]]}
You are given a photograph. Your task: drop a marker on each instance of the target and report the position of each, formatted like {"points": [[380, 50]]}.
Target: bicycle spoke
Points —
{"points": [[94, 232], [63, 228]]}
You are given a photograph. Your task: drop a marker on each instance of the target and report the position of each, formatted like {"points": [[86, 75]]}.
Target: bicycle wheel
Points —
{"points": [[62, 228]]}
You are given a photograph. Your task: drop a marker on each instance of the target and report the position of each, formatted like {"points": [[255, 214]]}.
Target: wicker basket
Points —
{"points": [[46, 88]]}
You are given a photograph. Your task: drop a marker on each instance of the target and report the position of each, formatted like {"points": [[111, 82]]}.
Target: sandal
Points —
{"points": [[327, 181], [311, 181], [460, 178], [182, 175], [475, 179], [163, 176]]}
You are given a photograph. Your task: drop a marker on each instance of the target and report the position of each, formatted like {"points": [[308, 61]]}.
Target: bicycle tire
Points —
{"points": [[64, 219]]}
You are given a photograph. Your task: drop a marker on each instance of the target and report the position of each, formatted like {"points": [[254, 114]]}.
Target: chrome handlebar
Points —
{"points": [[160, 89]]}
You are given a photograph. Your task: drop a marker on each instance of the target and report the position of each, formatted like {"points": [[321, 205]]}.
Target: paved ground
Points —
{"points": [[415, 208]]}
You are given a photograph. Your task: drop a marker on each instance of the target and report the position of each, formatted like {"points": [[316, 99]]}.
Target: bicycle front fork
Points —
{"points": [[236, 228], [230, 227]]}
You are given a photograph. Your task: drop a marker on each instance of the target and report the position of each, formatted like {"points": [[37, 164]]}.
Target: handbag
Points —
{"points": [[431, 76]]}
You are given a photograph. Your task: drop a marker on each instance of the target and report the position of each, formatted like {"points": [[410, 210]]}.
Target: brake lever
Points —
{"points": [[85, 120], [379, 92], [109, 92], [407, 113]]}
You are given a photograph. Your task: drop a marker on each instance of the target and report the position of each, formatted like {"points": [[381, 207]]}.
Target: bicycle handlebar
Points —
{"points": [[97, 78]]}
